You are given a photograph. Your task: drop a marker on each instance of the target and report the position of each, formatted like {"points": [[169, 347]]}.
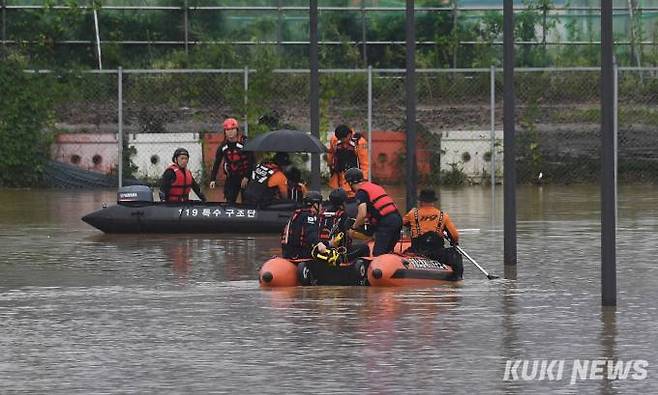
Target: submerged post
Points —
{"points": [[608, 221], [315, 90], [509, 145], [410, 88]]}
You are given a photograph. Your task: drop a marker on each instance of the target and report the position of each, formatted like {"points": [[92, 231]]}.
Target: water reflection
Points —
{"points": [[608, 338]]}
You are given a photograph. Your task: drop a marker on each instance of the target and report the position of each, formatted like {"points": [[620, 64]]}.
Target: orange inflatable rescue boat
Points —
{"points": [[395, 270]]}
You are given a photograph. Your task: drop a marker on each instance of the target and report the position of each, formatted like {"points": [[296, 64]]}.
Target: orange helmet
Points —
{"points": [[230, 123]]}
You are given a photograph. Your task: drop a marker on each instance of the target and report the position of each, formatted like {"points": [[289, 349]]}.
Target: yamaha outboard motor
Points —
{"points": [[135, 195]]}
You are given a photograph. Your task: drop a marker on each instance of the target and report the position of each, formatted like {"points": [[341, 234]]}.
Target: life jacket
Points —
{"points": [[345, 155], [182, 185], [330, 221], [295, 241], [236, 161], [380, 204], [257, 191], [427, 222], [427, 232]]}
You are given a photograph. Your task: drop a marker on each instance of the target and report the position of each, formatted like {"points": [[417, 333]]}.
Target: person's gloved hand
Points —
{"points": [[334, 255], [203, 198], [338, 239]]}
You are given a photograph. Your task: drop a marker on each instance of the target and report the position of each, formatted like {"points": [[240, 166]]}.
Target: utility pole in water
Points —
{"points": [[509, 149], [608, 181]]}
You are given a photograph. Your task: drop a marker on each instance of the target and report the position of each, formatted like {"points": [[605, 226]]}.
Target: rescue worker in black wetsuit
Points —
{"points": [[237, 163], [177, 180], [335, 225], [378, 207], [296, 188], [302, 232]]}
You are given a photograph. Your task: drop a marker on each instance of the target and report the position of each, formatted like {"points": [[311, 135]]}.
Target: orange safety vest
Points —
{"points": [[379, 199], [181, 187], [427, 222]]}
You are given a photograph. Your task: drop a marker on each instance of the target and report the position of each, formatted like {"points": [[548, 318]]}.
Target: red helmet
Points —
{"points": [[230, 123]]}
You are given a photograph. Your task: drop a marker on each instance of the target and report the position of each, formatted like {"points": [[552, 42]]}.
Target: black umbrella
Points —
{"points": [[285, 140]]}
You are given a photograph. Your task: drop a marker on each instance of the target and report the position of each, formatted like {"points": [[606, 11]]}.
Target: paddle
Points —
{"points": [[489, 276], [461, 251]]}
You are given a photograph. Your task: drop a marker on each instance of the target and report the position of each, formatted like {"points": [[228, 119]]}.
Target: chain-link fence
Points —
{"points": [[459, 120]]}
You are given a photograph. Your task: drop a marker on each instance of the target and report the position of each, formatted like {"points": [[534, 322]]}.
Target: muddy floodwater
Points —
{"points": [[85, 312]]}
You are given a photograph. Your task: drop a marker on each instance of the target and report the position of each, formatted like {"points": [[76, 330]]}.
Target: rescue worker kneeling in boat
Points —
{"points": [[335, 225], [378, 208], [301, 236], [429, 226], [268, 183], [177, 180]]}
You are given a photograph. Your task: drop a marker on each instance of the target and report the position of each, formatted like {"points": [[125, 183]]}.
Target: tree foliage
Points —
{"points": [[25, 110]]}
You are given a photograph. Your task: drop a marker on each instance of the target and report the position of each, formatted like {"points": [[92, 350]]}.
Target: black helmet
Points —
{"points": [[342, 131], [179, 152], [353, 175], [337, 196], [281, 159], [312, 197]]}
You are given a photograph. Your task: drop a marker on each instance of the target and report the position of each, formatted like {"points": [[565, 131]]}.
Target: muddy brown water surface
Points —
{"points": [[85, 312]]}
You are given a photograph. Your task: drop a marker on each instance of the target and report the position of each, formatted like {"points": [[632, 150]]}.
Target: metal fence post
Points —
{"points": [[493, 141], [98, 41], [185, 25], [370, 123], [4, 27], [615, 130], [246, 100], [120, 121], [364, 33]]}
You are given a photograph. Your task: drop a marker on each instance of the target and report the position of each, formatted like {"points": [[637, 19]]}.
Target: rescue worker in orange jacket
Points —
{"points": [[268, 182], [374, 204], [237, 163], [177, 180], [427, 224], [347, 150]]}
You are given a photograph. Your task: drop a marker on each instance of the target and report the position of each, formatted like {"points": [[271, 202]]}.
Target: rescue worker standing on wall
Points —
{"points": [[268, 182], [237, 163], [347, 150], [374, 204], [302, 232], [427, 224], [177, 180]]}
